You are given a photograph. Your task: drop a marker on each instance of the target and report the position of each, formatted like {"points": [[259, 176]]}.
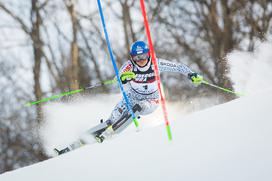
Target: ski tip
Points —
{"points": [[56, 151]]}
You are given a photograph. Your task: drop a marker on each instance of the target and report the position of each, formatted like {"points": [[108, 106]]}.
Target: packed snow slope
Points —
{"points": [[231, 141]]}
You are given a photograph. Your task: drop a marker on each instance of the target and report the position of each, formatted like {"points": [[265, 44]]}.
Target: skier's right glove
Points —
{"points": [[195, 78], [127, 76]]}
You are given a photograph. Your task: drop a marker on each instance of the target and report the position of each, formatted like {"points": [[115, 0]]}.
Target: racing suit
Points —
{"points": [[143, 90]]}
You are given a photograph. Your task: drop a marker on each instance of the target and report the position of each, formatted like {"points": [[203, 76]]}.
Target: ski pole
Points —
{"points": [[223, 89], [106, 82], [113, 60]]}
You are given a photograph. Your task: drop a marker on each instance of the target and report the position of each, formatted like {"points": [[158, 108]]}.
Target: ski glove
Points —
{"points": [[127, 76], [195, 78]]}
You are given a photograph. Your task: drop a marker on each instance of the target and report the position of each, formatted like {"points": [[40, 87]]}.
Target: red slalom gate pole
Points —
{"points": [[157, 75]]}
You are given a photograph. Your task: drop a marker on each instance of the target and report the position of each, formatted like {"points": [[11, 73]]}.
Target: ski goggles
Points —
{"points": [[140, 57]]}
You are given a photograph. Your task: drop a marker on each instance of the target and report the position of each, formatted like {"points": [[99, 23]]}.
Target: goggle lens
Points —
{"points": [[140, 57]]}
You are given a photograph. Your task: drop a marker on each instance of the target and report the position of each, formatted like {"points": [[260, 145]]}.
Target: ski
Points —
{"points": [[102, 131]]}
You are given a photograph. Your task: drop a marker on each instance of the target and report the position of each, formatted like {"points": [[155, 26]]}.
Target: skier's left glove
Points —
{"points": [[127, 76], [195, 78]]}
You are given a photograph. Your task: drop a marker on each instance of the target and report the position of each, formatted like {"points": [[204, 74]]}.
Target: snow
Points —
{"points": [[231, 141], [250, 71]]}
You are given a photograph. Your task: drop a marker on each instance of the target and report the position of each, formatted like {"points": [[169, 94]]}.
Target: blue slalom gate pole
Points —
{"points": [[114, 64]]}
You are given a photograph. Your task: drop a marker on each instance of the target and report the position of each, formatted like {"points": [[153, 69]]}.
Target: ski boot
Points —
{"points": [[108, 132]]}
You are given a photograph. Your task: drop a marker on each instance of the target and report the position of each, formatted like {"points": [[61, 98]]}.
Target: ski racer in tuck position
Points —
{"points": [[138, 76]]}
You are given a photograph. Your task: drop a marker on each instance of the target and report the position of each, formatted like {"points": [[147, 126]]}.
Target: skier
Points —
{"points": [[138, 77]]}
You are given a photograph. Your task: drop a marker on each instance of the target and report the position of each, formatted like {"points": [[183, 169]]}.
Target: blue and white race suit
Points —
{"points": [[143, 90]]}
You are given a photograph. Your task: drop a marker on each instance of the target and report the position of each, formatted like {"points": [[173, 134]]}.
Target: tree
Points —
{"points": [[74, 67], [207, 30]]}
